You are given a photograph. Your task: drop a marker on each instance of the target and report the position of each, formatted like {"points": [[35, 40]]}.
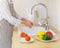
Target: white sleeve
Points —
{"points": [[5, 12]]}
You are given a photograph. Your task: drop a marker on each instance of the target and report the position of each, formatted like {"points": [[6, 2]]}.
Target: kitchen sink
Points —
{"points": [[30, 31]]}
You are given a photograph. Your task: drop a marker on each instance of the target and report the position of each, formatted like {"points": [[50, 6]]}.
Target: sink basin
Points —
{"points": [[30, 31]]}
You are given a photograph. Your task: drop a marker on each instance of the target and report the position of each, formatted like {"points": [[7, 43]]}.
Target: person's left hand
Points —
{"points": [[27, 22]]}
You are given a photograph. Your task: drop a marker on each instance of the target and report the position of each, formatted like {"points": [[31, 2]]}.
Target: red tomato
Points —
{"points": [[23, 34], [49, 33], [27, 38]]}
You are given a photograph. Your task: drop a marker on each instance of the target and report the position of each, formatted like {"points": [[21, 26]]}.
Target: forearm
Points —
{"points": [[11, 19]]}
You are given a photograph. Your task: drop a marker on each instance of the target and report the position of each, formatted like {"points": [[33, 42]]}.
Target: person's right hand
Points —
{"points": [[27, 22]]}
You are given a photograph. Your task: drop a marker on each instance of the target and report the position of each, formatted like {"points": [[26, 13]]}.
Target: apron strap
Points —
{"points": [[12, 10], [10, 2]]}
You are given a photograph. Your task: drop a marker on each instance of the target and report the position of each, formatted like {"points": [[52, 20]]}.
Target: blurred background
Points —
{"points": [[53, 7]]}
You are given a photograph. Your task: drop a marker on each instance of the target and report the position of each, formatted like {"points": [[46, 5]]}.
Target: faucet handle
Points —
{"points": [[36, 14]]}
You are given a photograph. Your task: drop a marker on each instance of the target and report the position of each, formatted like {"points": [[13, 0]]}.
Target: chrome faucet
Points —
{"points": [[44, 23]]}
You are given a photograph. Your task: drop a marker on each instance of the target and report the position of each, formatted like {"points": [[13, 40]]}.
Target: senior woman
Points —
{"points": [[7, 21]]}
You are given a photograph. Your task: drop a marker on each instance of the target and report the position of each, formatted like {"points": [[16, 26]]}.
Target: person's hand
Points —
{"points": [[27, 22]]}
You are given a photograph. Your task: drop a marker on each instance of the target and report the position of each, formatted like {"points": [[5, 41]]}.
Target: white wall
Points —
{"points": [[54, 12], [52, 5], [58, 15], [22, 5]]}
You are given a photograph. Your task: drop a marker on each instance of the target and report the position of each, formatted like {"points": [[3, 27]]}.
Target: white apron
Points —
{"points": [[6, 31]]}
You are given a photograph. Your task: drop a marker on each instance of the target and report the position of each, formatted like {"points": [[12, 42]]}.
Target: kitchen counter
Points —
{"points": [[36, 44]]}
